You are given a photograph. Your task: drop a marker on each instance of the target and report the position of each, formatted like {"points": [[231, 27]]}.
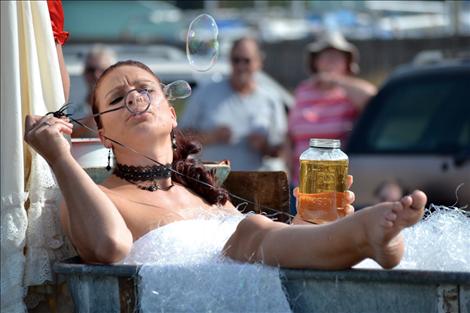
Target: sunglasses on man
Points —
{"points": [[238, 60]]}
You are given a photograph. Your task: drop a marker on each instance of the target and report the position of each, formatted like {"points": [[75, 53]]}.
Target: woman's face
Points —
{"points": [[124, 126], [332, 61]]}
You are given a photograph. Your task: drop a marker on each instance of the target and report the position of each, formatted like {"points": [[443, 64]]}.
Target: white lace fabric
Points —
{"points": [[13, 228], [45, 241]]}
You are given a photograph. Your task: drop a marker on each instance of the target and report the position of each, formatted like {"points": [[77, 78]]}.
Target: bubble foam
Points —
{"points": [[440, 242], [184, 271]]}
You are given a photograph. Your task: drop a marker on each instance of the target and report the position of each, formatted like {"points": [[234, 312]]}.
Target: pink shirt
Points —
{"points": [[318, 113]]}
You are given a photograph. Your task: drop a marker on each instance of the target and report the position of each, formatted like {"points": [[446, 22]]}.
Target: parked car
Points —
{"points": [[416, 131]]}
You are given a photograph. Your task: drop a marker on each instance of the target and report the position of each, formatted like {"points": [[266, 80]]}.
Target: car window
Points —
{"points": [[421, 114]]}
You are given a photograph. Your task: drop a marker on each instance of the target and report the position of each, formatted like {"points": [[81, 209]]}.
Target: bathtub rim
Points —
{"points": [[75, 266]]}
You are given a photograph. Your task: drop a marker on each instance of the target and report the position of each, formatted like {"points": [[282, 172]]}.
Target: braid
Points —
{"points": [[195, 169]]}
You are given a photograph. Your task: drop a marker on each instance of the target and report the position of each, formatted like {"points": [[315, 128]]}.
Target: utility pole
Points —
{"points": [[211, 6], [455, 17], [297, 9]]}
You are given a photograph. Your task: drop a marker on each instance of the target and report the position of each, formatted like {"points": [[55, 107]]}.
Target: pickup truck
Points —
{"points": [[416, 131]]}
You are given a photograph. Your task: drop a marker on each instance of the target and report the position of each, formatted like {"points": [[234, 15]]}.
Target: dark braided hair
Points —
{"points": [[182, 162]]}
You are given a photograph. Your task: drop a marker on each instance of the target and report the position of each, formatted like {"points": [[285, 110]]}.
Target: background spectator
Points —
{"points": [[328, 103], [389, 190], [97, 60], [235, 118]]}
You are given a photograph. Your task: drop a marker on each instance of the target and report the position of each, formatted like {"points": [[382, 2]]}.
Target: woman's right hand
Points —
{"points": [[342, 212], [45, 135]]}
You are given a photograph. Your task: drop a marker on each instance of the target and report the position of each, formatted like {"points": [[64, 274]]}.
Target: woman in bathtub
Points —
{"points": [[103, 221]]}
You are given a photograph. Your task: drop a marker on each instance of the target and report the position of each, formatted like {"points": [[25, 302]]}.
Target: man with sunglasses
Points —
{"points": [[237, 119], [97, 60]]}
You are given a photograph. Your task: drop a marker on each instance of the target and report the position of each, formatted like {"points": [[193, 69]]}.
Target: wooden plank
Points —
{"points": [[264, 189]]}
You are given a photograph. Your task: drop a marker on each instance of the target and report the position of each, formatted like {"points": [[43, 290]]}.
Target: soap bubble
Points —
{"points": [[178, 89], [202, 46]]}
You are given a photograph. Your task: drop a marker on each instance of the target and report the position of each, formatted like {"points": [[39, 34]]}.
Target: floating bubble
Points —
{"points": [[202, 46], [178, 89]]}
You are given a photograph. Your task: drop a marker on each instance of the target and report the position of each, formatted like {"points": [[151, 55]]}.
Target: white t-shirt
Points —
{"points": [[217, 104]]}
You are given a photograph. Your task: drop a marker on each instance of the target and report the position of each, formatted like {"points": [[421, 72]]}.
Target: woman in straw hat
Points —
{"points": [[330, 100]]}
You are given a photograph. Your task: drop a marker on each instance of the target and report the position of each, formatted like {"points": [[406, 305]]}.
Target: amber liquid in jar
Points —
{"points": [[322, 189]]}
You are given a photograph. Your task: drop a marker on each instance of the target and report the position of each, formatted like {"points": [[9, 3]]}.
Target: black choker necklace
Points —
{"points": [[134, 174]]}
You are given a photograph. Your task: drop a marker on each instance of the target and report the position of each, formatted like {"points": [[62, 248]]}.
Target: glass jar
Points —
{"points": [[322, 190]]}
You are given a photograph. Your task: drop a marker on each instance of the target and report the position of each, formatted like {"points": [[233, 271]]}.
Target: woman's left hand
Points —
{"points": [[342, 212]]}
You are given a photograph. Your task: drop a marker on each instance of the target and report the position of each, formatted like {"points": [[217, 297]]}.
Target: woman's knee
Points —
{"points": [[245, 242]]}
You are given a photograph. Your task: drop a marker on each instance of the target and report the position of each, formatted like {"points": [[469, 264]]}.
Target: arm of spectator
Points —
{"points": [[221, 134], [268, 137], [357, 89], [63, 72], [260, 143], [56, 14], [194, 116]]}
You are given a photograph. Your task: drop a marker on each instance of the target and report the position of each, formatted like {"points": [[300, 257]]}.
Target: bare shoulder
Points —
{"points": [[118, 192], [111, 185]]}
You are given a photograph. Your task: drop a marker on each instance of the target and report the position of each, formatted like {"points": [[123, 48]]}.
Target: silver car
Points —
{"points": [[416, 131]]}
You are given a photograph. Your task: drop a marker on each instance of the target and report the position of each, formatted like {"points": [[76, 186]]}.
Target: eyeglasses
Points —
{"points": [[136, 101], [237, 60]]}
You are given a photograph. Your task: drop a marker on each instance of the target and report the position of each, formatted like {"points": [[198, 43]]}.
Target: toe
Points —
{"points": [[406, 201], [390, 216], [419, 199], [387, 224], [397, 207]]}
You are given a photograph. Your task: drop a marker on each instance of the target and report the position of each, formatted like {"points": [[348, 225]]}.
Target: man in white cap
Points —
{"points": [[99, 58], [327, 103]]}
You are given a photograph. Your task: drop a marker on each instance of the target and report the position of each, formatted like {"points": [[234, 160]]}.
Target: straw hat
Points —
{"points": [[336, 41]]}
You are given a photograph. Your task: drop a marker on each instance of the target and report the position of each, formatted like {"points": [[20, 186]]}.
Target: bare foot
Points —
{"points": [[383, 223]]}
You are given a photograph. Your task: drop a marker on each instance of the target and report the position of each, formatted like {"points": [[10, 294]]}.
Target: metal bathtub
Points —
{"points": [[114, 288]]}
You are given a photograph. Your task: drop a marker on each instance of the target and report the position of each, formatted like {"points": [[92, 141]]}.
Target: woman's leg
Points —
{"points": [[372, 232]]}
